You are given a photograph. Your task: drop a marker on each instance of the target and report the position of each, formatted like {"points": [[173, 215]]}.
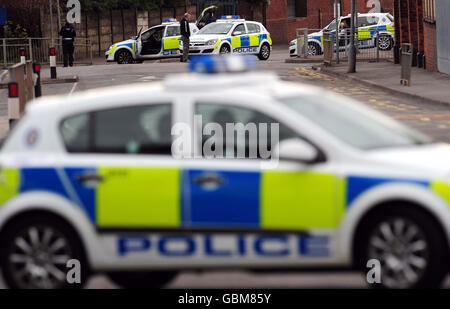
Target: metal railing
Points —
{"points": [[36, 49], [303, 46], [371, 45]]}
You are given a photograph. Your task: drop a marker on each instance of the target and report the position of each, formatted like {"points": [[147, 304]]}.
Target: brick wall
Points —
{"points": [[320, 14], [430, 46], [283, 29], [364, 6], [411, 28], [276, 21]]}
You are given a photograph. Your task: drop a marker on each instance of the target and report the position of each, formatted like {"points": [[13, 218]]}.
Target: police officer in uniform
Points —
{"points": [[68, 35], [185, 34]]}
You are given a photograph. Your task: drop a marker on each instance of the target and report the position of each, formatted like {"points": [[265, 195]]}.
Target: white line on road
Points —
{"points": [[73, 88]]}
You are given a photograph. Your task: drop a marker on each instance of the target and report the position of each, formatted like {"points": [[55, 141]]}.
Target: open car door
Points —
{"points": [[208, 15]]}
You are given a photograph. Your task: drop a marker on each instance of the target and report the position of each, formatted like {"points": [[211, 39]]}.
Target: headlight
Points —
{"points": [[293, 43], [211, 42]]}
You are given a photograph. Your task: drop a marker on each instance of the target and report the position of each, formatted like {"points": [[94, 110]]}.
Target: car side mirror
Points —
{"points": [[237, 33], [296, 149]]}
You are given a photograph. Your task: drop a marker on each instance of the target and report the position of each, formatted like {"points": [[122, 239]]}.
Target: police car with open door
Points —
{"points": [[241, 171], [162, 41], [372, 29], [234, 35]]}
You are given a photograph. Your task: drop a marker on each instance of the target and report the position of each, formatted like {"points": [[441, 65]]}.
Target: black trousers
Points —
{"points": [[68, 50]]}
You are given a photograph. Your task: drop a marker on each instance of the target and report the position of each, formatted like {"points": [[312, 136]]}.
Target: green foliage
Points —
{"points": [[15, 31], [99, 5]]}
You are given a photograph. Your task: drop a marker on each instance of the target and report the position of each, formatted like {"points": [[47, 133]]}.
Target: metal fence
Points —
{"points": [[36, 49], [371, 45]]}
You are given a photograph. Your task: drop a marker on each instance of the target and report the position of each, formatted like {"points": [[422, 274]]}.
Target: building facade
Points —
{"points": [[426, 25]]}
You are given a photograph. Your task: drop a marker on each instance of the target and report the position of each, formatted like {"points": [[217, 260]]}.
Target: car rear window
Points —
{"points": [[142, 129]]}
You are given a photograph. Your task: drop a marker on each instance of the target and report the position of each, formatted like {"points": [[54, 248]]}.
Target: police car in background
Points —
{"points": [[160, 41], [231, 34], [98, 177], [371, 27]]}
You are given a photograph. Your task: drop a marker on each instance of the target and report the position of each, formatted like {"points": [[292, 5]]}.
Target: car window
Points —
{"points": [[331, 26], [75, 133], [353, 123], [173, 31], [253, 28], [367, 21], [239, 28], [154, 34], [216, 28], [129, 130], [249, 131]]}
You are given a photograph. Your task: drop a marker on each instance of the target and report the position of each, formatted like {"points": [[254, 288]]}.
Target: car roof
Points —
{"points": [[367, 14], [251, 83]]}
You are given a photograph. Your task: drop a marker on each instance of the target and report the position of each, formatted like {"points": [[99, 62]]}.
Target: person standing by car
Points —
{"points": [[185, 34], [68, 35]]}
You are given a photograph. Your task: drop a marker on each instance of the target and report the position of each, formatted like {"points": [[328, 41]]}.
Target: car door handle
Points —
{"points": [[89, 177], [210, 180]]}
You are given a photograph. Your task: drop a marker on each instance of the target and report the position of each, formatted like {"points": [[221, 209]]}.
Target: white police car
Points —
{"points": [[162, 41], [231, 34], [371, 27], [104, 178]]}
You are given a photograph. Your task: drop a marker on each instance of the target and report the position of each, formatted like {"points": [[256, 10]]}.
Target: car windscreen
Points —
{"points": [[353, 123], [331, 26], [216, 28]]}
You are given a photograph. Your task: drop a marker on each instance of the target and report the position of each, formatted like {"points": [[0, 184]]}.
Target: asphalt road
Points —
{"points": [[431, 119]]}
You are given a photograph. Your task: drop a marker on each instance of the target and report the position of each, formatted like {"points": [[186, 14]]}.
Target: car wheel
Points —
{"points": [[384, 42], [135, 280], [124, 57], [264, 52], [313, 49], [35, 252], [225, 49], [408, 244]]}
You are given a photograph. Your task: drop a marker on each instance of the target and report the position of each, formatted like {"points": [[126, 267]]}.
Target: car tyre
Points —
{"points": [[409, 244], [384, 42], [135, 280], [225, 49], [314, 49], [124, 57], [35, 251], [264, 52]]}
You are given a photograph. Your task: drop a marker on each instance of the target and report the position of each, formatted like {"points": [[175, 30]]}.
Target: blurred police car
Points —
{"points": [[231, 34], [94, 177], [371, 27], [162, 41]]}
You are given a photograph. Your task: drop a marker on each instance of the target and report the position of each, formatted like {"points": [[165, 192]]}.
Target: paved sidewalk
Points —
{"points": [[430, 86]]}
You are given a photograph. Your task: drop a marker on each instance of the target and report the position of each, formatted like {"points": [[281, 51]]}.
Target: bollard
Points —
{"points": [[305, 43], [52, 54], [406, 63], [22, 55], [13, 103], [37, 86]]}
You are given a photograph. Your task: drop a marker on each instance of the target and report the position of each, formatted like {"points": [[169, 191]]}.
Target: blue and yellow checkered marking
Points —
{"points": [[171, 198]]}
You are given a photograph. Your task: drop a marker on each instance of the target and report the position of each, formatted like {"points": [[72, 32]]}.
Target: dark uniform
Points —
{"points": [[185, 32], [68, 35]]}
